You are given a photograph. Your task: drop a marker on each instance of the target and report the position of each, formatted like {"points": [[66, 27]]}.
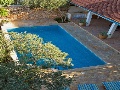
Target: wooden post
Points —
{"points": [[111, 30]]}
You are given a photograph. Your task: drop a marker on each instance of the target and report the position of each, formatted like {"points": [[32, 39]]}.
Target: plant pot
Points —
{"points": [[68, 15], [102, 36], [59, 20], [82, 24]]}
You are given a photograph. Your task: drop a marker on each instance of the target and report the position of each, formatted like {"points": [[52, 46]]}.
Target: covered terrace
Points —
{"points": [[107, 9]]}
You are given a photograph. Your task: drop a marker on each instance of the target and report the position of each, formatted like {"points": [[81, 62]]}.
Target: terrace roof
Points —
{"points": [[108, 9]]}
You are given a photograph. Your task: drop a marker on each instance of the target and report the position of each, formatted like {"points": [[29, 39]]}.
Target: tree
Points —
{"points": [[3, 14], [5, 48], [6, 2], [55, 4], [21, 76], [15, 1], [47, 4], [52, 4], [32, 49]]}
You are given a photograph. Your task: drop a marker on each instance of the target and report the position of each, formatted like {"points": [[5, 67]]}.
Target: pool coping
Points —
{"points": [[94, 74], [97, 46]]}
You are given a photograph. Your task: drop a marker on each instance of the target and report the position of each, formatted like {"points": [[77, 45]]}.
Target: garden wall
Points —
{"points": [[25, 13]]}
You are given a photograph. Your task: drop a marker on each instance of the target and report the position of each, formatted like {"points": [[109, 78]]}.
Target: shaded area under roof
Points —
{"points": [[109, 9]]}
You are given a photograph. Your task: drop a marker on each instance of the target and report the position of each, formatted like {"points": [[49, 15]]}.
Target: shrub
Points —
{"points": [[103, 33], [32, 49], [20, 76], [5, 48], [62, 19], [82, 21], [52, 4], [48, 4], [23, 77], [3, 12], [6, 2]]}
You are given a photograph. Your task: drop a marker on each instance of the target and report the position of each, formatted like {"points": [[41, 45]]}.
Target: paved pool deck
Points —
{"points": [[97, 74], [102, 25]]}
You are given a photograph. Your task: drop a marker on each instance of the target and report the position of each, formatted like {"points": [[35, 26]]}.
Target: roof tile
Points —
{"points": [[107, 8]]}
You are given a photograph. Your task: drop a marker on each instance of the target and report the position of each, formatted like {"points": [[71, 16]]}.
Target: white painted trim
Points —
{"points": [[104, 17], [111, 30], [89, 17]]}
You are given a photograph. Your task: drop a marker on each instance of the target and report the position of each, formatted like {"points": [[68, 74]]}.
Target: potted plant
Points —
{"points": [[62, 19], [82, 23], [103, 35]]}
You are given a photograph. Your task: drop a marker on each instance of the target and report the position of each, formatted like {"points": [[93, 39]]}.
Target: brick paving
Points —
{"points": [[102, 25], [98, 74], [95, 75]]}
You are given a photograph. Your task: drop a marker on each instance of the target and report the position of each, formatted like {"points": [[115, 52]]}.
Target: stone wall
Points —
{"points": [[31, 14]]}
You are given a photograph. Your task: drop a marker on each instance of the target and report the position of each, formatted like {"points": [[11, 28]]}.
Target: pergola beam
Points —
{"points": [[89, 17], [111, 30]]}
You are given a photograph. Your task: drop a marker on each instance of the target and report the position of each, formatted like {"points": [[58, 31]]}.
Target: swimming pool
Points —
{"points": [[81, 55]]}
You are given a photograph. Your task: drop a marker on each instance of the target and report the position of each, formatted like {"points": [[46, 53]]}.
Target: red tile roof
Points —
{"points": [[108, 8]]}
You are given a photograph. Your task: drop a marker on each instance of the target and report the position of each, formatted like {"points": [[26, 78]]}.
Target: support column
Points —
{"points": [[89, 17], [111, 30]]}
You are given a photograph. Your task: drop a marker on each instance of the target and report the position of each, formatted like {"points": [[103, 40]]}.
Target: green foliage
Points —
{"points": [[52, 4], [23, 77], [82, 21], [5, 48], [4, 21], [20, 76], [103, 33], [3, 12], [48, 4], [6, 2], [31, 3], [62, 19], [31, 48]]}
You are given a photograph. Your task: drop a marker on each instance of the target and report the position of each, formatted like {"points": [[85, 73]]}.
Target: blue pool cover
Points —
{"points": [[81, 56]]}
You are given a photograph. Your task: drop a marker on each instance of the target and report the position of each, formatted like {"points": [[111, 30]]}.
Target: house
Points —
{"points": [[107, 9]]}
